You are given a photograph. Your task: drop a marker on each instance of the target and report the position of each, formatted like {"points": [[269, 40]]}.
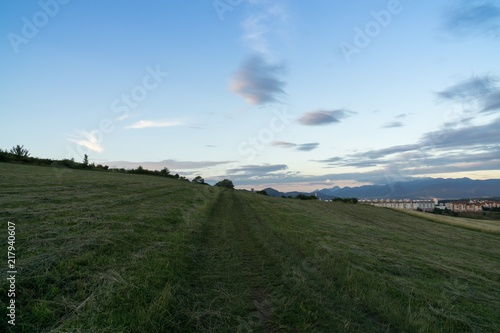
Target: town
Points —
{"points": [[428, 205]]}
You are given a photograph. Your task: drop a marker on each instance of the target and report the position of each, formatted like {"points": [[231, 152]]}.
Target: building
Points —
{"points": [[424, 205], [471, 206]]}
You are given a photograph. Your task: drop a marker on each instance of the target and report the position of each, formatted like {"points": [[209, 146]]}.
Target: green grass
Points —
{"points": [[491, 226], [109, 252]]}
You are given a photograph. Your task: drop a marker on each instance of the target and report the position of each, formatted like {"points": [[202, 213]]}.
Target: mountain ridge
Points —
{"points": [[422, 188]]}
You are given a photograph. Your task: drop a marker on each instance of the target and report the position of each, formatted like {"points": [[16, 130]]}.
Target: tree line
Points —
{"points": [[21, 155]]}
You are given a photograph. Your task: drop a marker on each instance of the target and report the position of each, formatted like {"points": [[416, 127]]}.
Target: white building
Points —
{"points": [[425, 205]]}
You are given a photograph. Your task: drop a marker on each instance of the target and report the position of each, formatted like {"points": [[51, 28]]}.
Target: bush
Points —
{"points": [[226, 183], [198, 180], [346, 200], [306, 197]]}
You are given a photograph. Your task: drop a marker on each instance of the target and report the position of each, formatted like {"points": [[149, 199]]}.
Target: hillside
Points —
{"points": [[112, 252]]}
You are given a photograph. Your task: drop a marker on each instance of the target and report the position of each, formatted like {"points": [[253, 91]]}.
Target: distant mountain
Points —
{"points": [[423, 188], [329, 191], [275, 193]]}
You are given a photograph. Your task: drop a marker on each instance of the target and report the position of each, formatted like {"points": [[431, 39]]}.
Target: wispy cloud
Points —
{"points": [[246, 175], [322, 117], [307, 146], [89, 140], [258, 170], [473, 17], [171, 164], [299, 147], [283, 144], [153, 124], [393, 124], [483, 92], [259, 77], [258, 81], [261, 28], [473, 88], [492, 102]]}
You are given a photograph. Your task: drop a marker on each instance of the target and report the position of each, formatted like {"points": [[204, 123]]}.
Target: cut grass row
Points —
{"points": [[104, 252], [489, 226]]}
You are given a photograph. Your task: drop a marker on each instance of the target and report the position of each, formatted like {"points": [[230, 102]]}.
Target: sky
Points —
{"points": [[294, 95]]}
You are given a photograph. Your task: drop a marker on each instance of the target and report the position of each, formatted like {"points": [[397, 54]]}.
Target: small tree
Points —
{"points": [[198, 180], [19, 151], [165, 171], [85, 160], [225, 183]]}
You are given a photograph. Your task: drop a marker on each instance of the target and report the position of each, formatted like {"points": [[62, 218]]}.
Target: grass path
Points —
{"points": [[231, 279]]}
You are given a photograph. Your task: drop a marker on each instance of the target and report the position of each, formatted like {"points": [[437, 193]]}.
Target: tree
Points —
{"points": [[225, 183], [302, 196], [85, 160], [198, 180], [19, 151], [165, 171]]}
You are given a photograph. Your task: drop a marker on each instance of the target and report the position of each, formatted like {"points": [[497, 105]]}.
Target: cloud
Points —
{"points": [[473, 17], [171, 164], [266, 27], [322, 117], [466, 137], [257, 170], [89, 140], [473, 88], [393, 124], [153, 124], [307, 146], [299, 147], [492, 102], [481, 93], [330, 160], [283, 144], [258, 81], [448, 150]]}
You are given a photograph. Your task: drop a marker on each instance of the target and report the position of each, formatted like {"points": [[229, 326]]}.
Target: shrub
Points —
{"points": [[226, 183]]}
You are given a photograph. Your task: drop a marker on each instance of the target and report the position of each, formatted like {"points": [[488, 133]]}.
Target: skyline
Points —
{"points": [[282, 94]]}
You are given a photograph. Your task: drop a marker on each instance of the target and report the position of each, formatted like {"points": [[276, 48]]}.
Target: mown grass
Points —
{"points": [[98, 252], [484, 225], [104, 252], [362, 268]]}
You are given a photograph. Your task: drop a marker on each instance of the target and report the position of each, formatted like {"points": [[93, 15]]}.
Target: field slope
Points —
{"points": [[110, 252]]}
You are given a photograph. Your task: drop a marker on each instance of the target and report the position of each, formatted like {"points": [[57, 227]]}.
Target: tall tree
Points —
{"points": [[19, 151]]}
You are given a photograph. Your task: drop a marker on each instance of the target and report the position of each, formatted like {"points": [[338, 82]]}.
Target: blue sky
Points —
{"points": [[289, 94]]}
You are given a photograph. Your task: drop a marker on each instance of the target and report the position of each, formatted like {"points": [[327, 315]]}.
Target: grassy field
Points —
{"points": [[110, 252], [491, 226]]}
